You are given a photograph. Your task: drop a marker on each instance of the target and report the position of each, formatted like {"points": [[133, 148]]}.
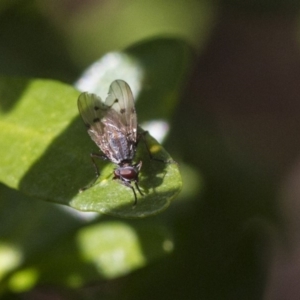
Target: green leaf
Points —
{"points": [[45, 148], [44, 244], [101, 251], [160, 182], [45, 154]]}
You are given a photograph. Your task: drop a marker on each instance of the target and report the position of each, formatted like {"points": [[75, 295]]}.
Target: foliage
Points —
{"points": [[45, 156]]}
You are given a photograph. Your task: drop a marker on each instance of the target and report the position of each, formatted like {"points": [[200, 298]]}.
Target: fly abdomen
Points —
{"points": [[120, 146]]}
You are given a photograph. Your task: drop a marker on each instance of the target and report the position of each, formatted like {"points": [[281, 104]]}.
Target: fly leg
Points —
{"points": [[93, 156], [138, 166], [138, 188], [97, 155], [128, 184]]}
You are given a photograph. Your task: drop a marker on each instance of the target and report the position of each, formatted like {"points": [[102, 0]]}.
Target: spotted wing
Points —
{"points": [[92, 111], [121, 100], [109, 126]]}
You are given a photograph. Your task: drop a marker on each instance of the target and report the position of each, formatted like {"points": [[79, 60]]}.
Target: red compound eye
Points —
{"points": [[128, 173]]}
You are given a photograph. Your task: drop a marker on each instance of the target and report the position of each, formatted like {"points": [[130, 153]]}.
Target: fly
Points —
{"points": [[112, 125]]}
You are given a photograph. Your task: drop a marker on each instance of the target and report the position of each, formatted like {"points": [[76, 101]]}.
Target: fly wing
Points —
{"points": [[92, 111], [120, 99], [108, 128]]}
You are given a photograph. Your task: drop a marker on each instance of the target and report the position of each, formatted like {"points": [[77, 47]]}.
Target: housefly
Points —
{"points": [[112, 125]]}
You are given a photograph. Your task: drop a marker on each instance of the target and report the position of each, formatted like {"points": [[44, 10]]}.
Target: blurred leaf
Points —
{"points": [[43, 243], [28, 227], [95, 29], [105, 250], [25, 51], [166, 63], [45, 154], [155, 69], [5, 4]]}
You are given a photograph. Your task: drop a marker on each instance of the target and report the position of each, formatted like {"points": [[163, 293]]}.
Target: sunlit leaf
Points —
{"points": [[45, 154], [41, 243]]}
